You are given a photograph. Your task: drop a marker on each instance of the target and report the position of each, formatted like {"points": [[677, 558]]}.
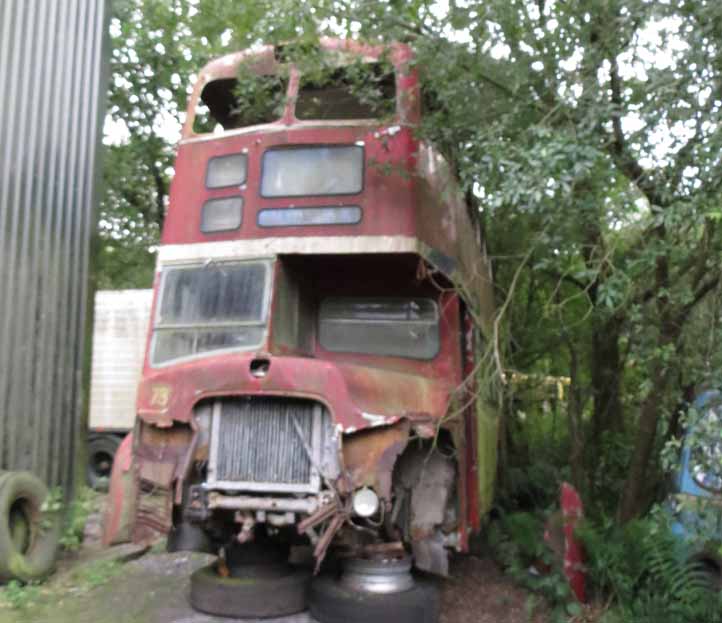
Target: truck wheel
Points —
{"points": [[28, 537], [332, 602], [101, 452], [260, 596]]}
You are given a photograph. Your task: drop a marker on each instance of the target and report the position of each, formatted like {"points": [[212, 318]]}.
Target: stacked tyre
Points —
{"points": [[254, 580], [332, 602]]}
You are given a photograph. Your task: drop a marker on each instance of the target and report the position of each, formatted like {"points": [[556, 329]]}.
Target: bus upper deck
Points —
{"points": [[321, 172]]}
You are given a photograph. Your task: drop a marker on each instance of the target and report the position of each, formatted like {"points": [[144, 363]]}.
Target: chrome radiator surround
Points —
{"points": [[270, 444]]}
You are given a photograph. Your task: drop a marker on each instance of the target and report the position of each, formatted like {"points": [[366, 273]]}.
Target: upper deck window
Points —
{"points": [[225, 171], [357, 91], [234, 103]]}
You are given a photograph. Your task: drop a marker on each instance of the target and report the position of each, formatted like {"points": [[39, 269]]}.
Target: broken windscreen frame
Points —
{"points": [[204, 309]]}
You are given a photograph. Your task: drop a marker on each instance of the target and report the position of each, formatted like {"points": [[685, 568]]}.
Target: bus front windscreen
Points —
{"points": [[214, 307]]}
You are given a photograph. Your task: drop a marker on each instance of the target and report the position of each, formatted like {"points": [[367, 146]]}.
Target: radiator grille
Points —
{"points": [[264, 443]]}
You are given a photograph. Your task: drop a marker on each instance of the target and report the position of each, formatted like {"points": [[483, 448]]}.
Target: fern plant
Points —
{"points": [[642, 569]]}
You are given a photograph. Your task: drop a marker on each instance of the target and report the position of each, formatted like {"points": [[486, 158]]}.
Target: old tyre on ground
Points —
{"points": [[332, 602], [101, 452], [28, 536], [261, 595]]}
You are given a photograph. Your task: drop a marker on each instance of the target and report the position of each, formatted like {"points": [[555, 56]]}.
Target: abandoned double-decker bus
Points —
{"points": [[312, 375]]}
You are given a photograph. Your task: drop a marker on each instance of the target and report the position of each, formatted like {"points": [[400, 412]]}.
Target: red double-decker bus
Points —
{"points": [[312, 375]]}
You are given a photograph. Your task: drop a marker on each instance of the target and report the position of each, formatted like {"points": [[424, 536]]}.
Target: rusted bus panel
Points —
{"points": [[120, 510], [161, 457], [384, 185], [370, 456], [341, 387], [51, 80]]}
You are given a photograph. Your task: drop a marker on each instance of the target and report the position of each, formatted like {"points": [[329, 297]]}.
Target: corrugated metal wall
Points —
{"points": [[51, 76]]}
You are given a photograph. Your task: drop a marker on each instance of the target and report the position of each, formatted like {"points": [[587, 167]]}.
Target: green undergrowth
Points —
{"points": [[75, 515], [637, 573], [81, 576], [18, 596], [78, 580], [518, 544], [645, 573]]}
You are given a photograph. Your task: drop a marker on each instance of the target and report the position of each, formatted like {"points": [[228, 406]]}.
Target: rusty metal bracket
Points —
{"points": [[322, 546]]}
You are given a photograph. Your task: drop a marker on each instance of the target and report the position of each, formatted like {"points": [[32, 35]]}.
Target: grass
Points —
{"points": [[18, 596], [78, 581]]}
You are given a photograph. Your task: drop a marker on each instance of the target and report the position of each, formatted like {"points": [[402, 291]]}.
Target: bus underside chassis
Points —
{"points": [[396, 496], [268, 571]]}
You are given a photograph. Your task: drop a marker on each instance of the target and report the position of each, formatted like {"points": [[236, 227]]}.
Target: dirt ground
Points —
{"points": [[123, 586], [478, 592], [154, 587]]}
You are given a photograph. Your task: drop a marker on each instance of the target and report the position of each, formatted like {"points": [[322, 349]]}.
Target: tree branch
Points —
{"points": [[618, 149], [568, 278], [701, 292]]}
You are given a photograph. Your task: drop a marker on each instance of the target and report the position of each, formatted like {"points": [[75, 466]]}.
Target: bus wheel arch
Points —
{"points": [[425, 499]]}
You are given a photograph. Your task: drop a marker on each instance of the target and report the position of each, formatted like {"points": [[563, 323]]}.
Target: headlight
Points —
{"points": [[290, 217], [318, 170], [221, 214], [365, 502], [225, 171]]}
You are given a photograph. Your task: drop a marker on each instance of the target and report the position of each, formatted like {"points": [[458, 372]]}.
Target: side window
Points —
{"points": [[390, 327]]}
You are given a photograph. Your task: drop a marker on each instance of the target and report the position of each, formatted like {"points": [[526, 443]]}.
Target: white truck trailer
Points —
{"points": [[120, 329]]}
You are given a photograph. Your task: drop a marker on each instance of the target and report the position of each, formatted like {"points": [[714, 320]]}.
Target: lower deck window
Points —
{"points": [[390, 327]]}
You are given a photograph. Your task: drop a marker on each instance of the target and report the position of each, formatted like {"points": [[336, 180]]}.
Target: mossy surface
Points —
{"points": [[149, 590]]}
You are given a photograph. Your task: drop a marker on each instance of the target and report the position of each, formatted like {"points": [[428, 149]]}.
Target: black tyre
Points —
{"points": [[258, 553], [250, 596], [101, 452], [28, 536], [331, 602], [186, 537]]}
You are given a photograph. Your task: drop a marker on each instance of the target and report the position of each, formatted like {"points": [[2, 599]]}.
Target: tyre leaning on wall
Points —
{"points": [[29, 537]]}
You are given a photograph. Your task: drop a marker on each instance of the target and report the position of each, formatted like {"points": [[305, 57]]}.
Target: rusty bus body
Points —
{"points": [[337, 401]]}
